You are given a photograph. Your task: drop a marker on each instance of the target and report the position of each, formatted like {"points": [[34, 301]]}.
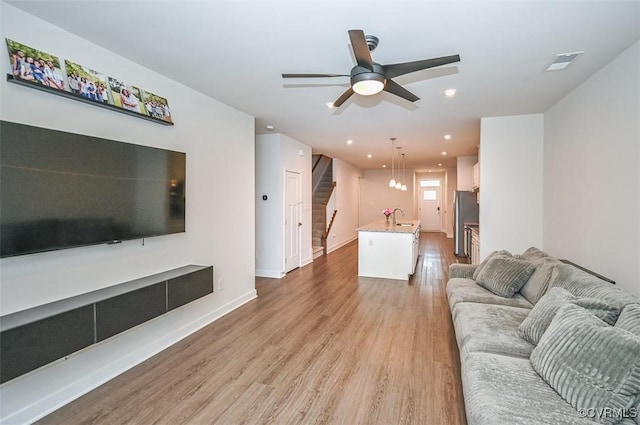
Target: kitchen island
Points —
{"points": [[387, 250]]}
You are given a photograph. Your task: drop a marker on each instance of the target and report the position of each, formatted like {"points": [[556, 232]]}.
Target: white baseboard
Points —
{"points": [[306, 261], [343, 243], [274, 274], [34, 395]]}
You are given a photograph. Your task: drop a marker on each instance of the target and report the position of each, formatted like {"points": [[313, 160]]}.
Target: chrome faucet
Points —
{"points": [[394, 215]]}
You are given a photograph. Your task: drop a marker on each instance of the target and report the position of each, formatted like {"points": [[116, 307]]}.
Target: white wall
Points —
{"points": [[347, 178], [451, 187], [376, 195], [465, 172], [592, 173], [276, 154], [511, 175], [269, 213], [219, 143]]}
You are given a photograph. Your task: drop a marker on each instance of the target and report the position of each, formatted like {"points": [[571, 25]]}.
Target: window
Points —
{"points": [[429, 195], [429, 183]]}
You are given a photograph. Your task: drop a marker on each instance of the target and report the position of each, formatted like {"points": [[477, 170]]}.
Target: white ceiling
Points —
{"points": [[235, 52]]}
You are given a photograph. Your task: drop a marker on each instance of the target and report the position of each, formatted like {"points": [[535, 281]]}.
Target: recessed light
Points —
{"points": [[369, 156], [440, 164], [384, 166], [429, 171], [269, 127], [450, 92], [447, 136], [444, 153], [349, 142]]}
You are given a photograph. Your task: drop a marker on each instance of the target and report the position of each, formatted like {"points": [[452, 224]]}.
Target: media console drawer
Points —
{"points": [[35, 337]]}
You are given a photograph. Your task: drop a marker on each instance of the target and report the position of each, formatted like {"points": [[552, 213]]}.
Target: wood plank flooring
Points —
{"points": [[320, 346]]}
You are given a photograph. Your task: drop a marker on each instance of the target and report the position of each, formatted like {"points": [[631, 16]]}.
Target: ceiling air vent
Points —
{"points": [[563, 60]]}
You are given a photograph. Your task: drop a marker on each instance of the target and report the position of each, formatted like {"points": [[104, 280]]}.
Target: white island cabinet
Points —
{"points": [[388, 251]]}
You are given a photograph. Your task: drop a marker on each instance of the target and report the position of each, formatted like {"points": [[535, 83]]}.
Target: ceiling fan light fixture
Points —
{"points": [[368, 83]]}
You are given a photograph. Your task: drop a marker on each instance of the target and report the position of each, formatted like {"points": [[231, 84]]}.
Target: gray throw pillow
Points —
{"points": [[486, 260], [593, 366], [629, 320], [538, 283], [540, 316], [532, 254], [505, 275]]}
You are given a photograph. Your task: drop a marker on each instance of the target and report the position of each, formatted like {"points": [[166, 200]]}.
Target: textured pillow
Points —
{"points": [[543, 312], [534, 253], [590, 364], [486, 260], [538, 283], [629, 320], [505, 275]]}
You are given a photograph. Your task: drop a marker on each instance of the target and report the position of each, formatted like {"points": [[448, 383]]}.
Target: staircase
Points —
{"points": [[323, 187]]}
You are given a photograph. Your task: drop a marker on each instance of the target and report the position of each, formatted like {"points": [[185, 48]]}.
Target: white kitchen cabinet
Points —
{"points": [[475, 246], [388, 251]]}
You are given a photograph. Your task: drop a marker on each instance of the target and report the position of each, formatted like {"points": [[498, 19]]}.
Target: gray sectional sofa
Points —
{"points": [[561, 346]]}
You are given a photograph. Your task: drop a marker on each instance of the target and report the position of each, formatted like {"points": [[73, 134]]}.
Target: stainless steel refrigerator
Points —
{"points": [[466, 210]]}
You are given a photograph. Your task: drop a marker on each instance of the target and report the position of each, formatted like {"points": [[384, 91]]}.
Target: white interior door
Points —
{"points": [[292, 224], [430, 205]]}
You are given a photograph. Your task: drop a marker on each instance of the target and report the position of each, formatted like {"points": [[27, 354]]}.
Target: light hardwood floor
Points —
{"points": [[320, 346]]}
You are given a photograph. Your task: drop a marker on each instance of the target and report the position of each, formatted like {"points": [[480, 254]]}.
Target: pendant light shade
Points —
{"points": [[398, 183], [392, 182], [403, 186]]}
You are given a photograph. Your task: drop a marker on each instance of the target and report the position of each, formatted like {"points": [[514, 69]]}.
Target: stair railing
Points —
{"points": [[319, 169], [329, 211]]}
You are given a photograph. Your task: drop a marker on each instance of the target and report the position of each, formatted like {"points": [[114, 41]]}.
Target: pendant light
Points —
{"points": [[392, 182], [398, 184], [404, 186]]}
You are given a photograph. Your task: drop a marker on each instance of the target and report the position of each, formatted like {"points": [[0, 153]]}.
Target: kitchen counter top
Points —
{"points": [[381, 226]]}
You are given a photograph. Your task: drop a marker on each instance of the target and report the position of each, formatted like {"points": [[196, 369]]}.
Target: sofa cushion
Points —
{"points": [[505, 275], [538, 283], [503, 390], [462, 270], [583, 284], [543, 312], [629, 319], [589, 363], [532, 254], [467, 290], [490, 328], [486, 260]]}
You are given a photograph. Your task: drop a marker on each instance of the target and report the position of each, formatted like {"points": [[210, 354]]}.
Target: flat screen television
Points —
{"points": [[62, 190]]}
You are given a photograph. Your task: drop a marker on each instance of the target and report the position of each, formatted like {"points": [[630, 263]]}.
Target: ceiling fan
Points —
{"points": [[369, 77]]}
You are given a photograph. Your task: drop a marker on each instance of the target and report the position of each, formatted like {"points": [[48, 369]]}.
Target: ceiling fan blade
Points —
{"points": [[398, 69], [395, 88], [346, 95], [361, 49], [313, 75]]}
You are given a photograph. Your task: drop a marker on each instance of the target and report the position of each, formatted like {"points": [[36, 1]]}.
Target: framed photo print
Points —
{"points": [[87, 83], [156, 106], [33, 65], [126, 96]]}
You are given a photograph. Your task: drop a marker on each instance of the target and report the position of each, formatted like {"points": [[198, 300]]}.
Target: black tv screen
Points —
{"points": [[62, 190]]}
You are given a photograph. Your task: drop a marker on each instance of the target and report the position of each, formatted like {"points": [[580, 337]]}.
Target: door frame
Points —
{"points": [[284, 227], [419, 189]]}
